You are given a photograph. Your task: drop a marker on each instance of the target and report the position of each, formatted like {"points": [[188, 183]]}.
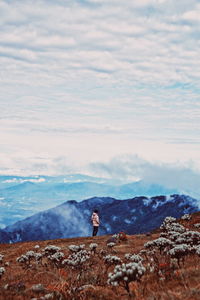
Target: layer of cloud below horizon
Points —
{"points": [[85, 81]]}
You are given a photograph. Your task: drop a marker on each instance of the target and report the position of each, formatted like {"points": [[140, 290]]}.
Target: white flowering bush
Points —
{"points": [[112, 260], [186, 217], [30, 254], [28, 257], [160, 243], [23, 259], [170, 225], [75, 248], [111, 245], [173, 235], [197, 225], [56, 258], [163, 243], [115, 236], [103, 252], [37, 247], [149, 245], [167, 221], [51, 249], [189, 237], [179, 251], [2, 271], [176, 228], [198, 250], [133, 257], [38, 256], [126, 273], [77, 259], [1, 258], [151, 253], [147, 253], [143, 252], [48, 296], [181, 240], [151, 267], [164, 234], [93, 247], [38, 288]]}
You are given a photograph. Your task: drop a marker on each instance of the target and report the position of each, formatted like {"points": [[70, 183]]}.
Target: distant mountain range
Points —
{"points": [[21, 197], [72, 218]]}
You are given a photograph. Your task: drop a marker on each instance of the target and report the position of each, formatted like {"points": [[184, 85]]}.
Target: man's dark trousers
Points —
{"points": [[95, 230]]}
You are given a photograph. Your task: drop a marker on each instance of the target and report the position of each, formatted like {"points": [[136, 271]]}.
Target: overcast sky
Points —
{"points": [[89, 82]]}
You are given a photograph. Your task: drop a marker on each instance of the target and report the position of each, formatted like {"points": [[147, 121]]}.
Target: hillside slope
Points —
{"points": [[49, 278]]}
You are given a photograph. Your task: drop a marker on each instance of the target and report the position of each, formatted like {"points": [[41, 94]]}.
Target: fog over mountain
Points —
{"points": [[72, 218], [21, 197]]}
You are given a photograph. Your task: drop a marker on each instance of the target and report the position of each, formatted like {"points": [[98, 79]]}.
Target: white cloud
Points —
{"points": [[184, 178], [94, 79], [192, 15], [20, 180]]}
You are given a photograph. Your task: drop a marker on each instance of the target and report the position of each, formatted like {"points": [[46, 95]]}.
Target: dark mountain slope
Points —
{"points": [[71, 219]]}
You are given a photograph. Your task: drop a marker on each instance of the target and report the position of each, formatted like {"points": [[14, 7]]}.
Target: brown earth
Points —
{"points": [[90, 281]]}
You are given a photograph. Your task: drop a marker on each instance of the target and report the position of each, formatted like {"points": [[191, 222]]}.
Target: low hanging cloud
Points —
{"points": [[172, 175]]}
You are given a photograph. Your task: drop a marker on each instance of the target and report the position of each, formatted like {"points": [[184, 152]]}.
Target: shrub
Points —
{"points": [[125, 273], [189, 237], [175, 227], [198, 250], [38, 256], [133, 257], [179, 251], [56, 258], [30, 254], [76, 260], [167, 221], [173, 235], [23, 259], [2, 271], [75, 248], [149, 245], [111, 245], [112, 260], [93, 247], [51, 249], [160, 243], [186, 217], [1, 258]]}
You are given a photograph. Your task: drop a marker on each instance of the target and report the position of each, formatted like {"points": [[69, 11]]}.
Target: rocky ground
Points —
{"points": [[168, 266]]}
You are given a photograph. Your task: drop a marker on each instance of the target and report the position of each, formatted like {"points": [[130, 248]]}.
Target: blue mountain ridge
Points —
{"points": [[72, 219], [21, 197]]}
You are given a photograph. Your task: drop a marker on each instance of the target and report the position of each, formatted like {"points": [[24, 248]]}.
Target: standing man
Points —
{"points": [[95, 222]]}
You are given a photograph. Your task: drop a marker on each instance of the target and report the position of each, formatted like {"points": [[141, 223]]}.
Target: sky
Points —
{"points": [[95, 86]]}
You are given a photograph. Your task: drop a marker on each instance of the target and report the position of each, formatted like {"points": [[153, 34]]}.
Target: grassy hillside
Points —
{"points": [[165, 276]]}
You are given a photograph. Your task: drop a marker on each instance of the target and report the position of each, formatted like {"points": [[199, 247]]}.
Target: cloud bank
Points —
{"points": [[86, 81], [184, 178]]}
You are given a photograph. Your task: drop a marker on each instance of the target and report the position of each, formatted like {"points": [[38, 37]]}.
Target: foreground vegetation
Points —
{"points": [[160, 265]]}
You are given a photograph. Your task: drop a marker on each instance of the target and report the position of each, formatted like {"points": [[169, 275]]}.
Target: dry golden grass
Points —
{"points": [[179, 283]]}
